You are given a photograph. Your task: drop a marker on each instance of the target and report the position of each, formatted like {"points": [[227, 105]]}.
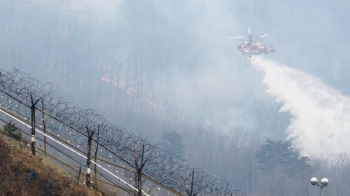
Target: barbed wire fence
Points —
{"points": [[113, 146]]}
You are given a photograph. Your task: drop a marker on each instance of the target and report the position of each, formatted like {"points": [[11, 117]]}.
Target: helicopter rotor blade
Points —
{"points": [[264, 35], [237, 37], [249, 31]]}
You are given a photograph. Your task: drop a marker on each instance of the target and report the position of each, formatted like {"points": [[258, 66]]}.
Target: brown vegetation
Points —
{"points": [[17, 168]]}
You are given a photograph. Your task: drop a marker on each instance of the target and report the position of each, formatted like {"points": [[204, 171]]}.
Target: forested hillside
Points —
{"points": [[166, 71]]}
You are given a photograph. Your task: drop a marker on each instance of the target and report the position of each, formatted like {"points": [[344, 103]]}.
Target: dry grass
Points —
{"points": [[16, 164]]}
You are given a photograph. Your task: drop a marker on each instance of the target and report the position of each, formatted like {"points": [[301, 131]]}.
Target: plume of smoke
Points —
{"points": [[320, 123]]}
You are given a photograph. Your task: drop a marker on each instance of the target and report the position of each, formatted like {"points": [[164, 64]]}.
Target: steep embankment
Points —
{"points": [[22, 173]]}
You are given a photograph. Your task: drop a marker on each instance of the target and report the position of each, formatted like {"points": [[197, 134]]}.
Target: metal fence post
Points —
{"points": [[44, 124], [88, 161], [96, 152], [32, 108], [79, 175]]}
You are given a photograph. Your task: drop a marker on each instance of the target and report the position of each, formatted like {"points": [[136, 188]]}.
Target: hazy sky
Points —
{"points": [[189, 64]]}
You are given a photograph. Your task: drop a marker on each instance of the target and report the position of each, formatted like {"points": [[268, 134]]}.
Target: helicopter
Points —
{"points": [[252, 47]]}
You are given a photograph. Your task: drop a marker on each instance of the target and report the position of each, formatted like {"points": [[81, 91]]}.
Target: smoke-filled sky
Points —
{"points": [[175, 53]]}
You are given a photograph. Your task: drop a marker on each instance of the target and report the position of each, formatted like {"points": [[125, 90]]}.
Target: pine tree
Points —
{"points": [[172, 142], [278, 155], [283, 165]]}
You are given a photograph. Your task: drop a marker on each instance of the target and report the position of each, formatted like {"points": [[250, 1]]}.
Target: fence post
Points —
{"points": [[190, 190], [138, 168], [96, 151], [88, 161], [32, 108], [44, 124], [79, 174]]}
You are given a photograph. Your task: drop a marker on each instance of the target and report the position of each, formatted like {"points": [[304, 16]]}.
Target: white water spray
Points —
{"points": [[320, 123]]}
